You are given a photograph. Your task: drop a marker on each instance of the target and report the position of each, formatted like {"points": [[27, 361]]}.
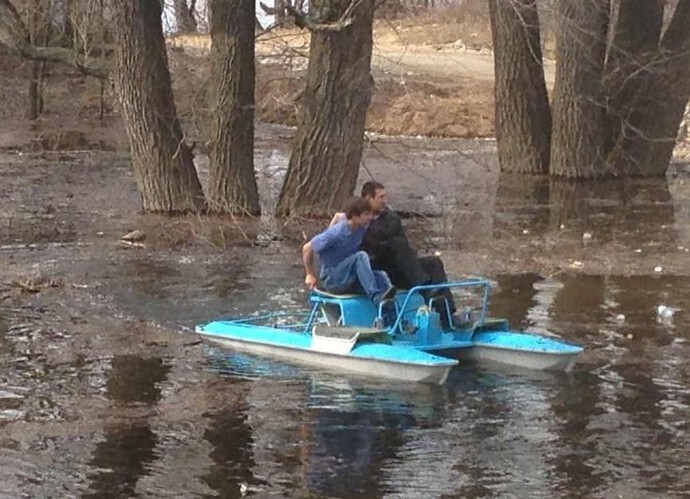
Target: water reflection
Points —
{"points": [[348, 449], [134, 379], [625, 210], [615, 427], [127, 448], [122, 458], [515, 298], [231, 437]]}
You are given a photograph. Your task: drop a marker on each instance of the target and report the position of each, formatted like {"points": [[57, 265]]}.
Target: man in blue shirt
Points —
{"points": [[389, 250], [344, 268]]}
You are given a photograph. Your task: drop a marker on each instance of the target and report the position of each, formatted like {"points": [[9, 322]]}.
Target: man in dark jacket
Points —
{"points": [[387, 245]]}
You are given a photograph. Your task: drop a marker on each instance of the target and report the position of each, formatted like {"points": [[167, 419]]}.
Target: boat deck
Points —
{"points": [[286, 339]]}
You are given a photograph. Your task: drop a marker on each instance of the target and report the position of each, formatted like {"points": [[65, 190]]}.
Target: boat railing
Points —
{"points": [[297, 320], [465, 283]]}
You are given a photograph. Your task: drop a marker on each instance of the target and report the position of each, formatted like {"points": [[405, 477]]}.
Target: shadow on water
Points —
{"points": [[231, 437], [123, 458], [628, 210], [127, 449], [133, 379]]}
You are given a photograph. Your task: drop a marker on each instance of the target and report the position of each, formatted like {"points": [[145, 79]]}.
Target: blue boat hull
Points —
{"points": [[396, 362], [402, 339], [417, 325], [510, 348]]}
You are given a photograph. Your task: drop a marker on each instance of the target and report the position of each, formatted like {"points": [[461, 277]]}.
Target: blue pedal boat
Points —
{"points": [[401, 339]]}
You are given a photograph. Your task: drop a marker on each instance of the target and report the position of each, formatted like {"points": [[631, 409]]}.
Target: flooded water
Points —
{"points": [[104, 391], [224, 424]]}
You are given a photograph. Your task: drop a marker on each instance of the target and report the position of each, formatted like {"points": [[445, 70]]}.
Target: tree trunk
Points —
{"points": [[161, 160], [184, 16], [16, 37], [38, 26], [232, 185], [523, 116], [279, 7], [35, 105], [324, 164], [635, 39], [659, 103], [578, 112]]}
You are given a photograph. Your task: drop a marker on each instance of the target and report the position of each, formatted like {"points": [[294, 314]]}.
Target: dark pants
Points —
{"points": [[405, 271]]}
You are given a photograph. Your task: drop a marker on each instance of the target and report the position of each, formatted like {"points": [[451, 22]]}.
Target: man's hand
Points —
{"points": [[310, 281], [338, 217]]}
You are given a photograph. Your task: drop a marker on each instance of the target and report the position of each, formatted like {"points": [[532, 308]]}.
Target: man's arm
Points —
{"points": [[338, 217], [308, 259]]}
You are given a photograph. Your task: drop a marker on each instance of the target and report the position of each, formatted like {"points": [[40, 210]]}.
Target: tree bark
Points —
{"points": [[279, 6], [184, 16], [578, 113], [659, 103], [161, 160], [635, 40], [38, 35], [35, 104], [324, 164], [232, 185], [523, 116]]}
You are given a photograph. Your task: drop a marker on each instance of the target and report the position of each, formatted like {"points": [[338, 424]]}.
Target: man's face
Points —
{"points": [[378, 201], [363, 219]]}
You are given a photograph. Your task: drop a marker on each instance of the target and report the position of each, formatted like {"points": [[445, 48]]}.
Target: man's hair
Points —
{"points": [[370, 187], [356, 207]]}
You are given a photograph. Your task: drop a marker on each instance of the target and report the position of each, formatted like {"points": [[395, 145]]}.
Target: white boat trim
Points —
{"points": [[398, 371]]}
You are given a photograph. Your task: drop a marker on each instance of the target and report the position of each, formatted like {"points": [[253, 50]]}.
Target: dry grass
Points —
{"points": [[403, 103]]}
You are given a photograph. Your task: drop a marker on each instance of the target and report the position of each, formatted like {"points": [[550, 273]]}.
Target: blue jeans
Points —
{"points": [[354, 274]]}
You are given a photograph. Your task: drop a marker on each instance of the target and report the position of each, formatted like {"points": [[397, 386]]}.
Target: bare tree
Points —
{"points": [[636, 31], [577, 141], [232, 185], [185, 16], [649, 133], [324, 164], [39, 31], [15, 36], [162, 162], [620, 91], [523, 116]]}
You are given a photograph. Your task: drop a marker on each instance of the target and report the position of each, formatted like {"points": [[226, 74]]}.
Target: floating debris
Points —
{"points": [[134, 236], [666, 311]]}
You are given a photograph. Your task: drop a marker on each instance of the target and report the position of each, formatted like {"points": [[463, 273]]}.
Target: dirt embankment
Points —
{"points": [[431, 79]]}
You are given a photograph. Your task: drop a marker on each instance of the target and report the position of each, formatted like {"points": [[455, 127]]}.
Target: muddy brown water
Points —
{"points": [[105, 392]]}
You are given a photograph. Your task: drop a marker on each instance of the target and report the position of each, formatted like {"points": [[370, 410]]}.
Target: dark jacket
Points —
{"points": [[387, 245], [380, 234]]}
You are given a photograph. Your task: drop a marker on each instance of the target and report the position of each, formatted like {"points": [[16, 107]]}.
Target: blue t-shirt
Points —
{"points": [[336, 243]]}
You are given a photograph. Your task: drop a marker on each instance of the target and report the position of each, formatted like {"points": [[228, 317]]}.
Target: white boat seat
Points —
{"points": [[342, 339], [329, 294]]}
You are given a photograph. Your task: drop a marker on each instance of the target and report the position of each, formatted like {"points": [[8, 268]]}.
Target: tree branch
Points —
{"points": [[302, 20], [15, 36], [269, 11]]}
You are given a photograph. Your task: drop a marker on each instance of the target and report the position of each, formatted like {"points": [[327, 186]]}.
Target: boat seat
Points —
{"points": [[344, 310], [329, 294]]}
